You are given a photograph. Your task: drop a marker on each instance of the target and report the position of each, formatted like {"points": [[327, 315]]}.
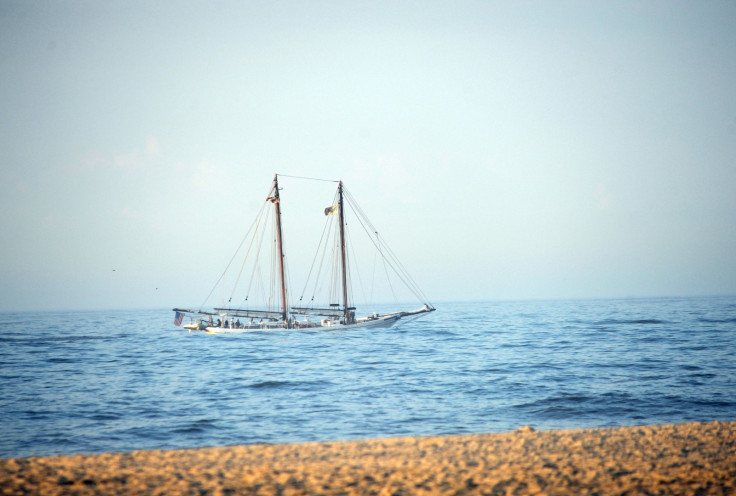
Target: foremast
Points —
{"points": [[274, 198]]}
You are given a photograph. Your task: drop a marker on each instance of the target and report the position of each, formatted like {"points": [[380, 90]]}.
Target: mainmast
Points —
{"points": [[346, 308], [276, 201]]}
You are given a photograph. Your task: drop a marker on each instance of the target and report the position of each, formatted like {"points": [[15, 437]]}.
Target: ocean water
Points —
{"points": [[89, 382]]}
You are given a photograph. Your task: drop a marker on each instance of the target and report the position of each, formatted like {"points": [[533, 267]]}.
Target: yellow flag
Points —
{"points": [[331, 210]]}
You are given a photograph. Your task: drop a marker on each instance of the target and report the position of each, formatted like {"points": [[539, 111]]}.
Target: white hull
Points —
{"points": [[383, 321]]}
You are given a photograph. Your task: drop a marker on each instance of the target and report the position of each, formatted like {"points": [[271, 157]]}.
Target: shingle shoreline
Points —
{"points": [[693, 458]]}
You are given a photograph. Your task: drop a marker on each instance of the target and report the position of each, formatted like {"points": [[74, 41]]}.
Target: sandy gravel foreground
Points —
{"points": [[667, 459]]}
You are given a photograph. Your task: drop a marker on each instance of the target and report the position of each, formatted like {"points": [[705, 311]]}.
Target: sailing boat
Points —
{"points": [[275, 312]]}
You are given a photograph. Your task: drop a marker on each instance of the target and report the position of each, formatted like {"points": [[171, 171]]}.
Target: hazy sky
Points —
{"points": [[507, 150]]}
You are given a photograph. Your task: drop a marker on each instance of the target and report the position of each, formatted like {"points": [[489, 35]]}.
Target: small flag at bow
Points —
{"points": [[331, 210], [178, 318]]}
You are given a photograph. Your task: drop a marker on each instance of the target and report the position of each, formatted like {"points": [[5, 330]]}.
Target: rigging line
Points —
{"points": [[384, 259], [390, 285], [349, 282], [403, 269], [233, 257], [373, 277], [329, 284], [354, 267], [274, 268], [310, 178], [259, 285], [402, 272], [391, 258], [287, 277], [335, 265], [317, 287], [323, 241], [258, 237], [369, 229], [288, 284], [314, 261], [360, 214], [247, 253], [357, 209], [319, 281]]}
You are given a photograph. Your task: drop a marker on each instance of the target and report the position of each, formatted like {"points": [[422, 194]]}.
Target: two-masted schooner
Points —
{"points": [[277, 313]]}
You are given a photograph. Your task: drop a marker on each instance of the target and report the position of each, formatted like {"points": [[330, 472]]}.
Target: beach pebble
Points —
{"points": [[668, 459]]}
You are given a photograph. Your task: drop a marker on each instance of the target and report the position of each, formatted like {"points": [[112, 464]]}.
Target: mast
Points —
{"points": [[343, 256], [276, 201]]}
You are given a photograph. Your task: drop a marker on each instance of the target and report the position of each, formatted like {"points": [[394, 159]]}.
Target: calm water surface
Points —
{"points": [[87, 382]]}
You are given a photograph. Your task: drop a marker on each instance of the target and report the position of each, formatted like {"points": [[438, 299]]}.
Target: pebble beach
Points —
{"points": [[692, 458]]}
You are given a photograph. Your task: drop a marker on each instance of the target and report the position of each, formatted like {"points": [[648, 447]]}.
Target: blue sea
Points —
{"points": [[90, 382]]}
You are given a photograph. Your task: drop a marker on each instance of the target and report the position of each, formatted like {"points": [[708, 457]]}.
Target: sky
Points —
{"points": [[506, 150]]}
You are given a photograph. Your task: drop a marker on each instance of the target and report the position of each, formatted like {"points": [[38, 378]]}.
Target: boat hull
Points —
{"points": [[383, 321]]}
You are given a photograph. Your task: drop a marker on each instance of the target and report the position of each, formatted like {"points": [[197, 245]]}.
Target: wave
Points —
{"points": [[275, 384], [578, 406], [42, 339], [62, 360], [631, 322], [198, 427], [731, 320]]}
